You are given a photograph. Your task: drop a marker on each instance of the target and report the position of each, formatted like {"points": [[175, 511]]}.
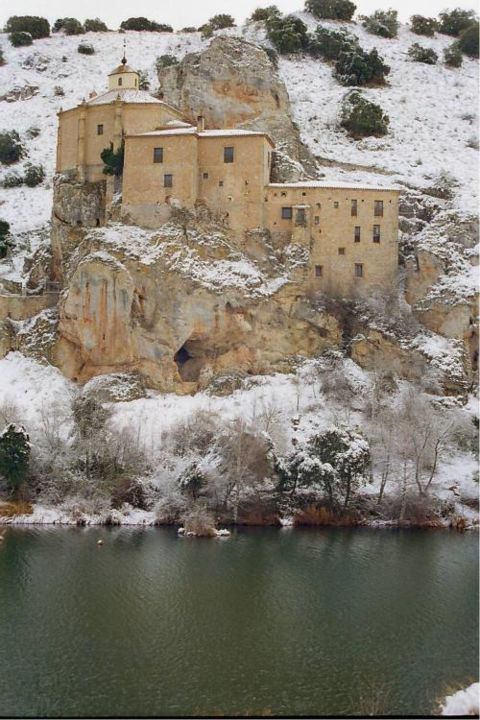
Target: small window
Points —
{"points": [[335, 204], [304, 193], [378, 208], [282, 194], [318, 270], [228, 154], [168, 181], [286, 213], [376, 233], [220, 183], [205, 176], [319, 205], [157, 155], [357, 233], [99, 129], [354, 208], [341, 251], [317, 220], [300, 217], [119, 81], [358, 270]]}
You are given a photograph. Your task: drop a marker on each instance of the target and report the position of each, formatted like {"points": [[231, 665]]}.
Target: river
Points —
{"points": [[293, 622]]}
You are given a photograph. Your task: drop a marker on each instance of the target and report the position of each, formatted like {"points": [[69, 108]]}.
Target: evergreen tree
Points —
{"points": [[454, 21], [331, 9], [468, 40], [288, 34], [5, 238], [113, 160], [14, 455], [362, 118], [37, 27]]}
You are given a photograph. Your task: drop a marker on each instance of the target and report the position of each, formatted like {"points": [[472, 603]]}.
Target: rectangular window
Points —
{"points": [[317, 220], [157, 155], [358, 270], [99, 129], [168, 181], [318, 270], [335, 204], [357, 233], [341, 251], [354, 208], [376, 233], [300, 218], [205, 176], [286, 213], [228, 154], [378, 208]]}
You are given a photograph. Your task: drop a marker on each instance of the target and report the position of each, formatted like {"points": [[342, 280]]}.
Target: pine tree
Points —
{"points": [[14, 455]]}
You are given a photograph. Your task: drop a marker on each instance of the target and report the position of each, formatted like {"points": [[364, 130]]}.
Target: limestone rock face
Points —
{"points": [[233, 83]]}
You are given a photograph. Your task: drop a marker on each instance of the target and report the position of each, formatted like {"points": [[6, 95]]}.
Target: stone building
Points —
{"points": [[350, 231]]}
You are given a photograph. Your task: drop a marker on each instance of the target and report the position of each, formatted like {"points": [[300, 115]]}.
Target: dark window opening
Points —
{"points": [[119, 81], [357, 233], [168, 181], [341, 251], [378, 208], [318, 270], [99, 129], [205, 176], [317, 220], [228, 155], [158, 155], [354, 208], [376, 233], [300, 217], [286, 213], [282, 194], [97, 222], [335, 204], [358, 270], [220, 183]]}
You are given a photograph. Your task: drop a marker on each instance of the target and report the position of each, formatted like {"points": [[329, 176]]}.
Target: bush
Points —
{"points": [[12, 180], [328, 44], [206, 31], [70, 26], [423, 26], [362, 118], [14, 455], [164, 61], [34, 175], [5, 238], [331, 9], [113, 160], [142, 23], [38, 27], [33, 131], [95, 25], [288, 34], [20, 39], [188, 29], [11, 148], [382, 22], [86, 49], [199, 522], [143, 81], [263, 14], [357, 67], [454, 21], [468, 40], [2, 58], [453, 56], [221, 21], [422, 54], [58, 91]]}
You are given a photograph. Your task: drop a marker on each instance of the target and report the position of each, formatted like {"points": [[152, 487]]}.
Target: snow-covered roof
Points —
{"points": [[334, 185], [126, 95], [177, 124], [123, 69], [192, 130]]}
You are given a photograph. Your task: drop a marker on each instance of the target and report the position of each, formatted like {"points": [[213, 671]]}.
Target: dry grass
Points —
{"points": [[15, 507], [321, 515]]}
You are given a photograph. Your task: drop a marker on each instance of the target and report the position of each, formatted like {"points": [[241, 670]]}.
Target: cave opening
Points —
{"points": [[182, 356], [190, 359]]}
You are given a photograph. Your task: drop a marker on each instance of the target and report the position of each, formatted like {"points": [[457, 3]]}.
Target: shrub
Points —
{"points": [[192, 481], [38, 27], [70, 26], [362, 118], [468, 40], [142, 23], [421, 25], [58, 91], [452, 56], [2, 58], [86, 49], [33, 131], [200, 522], [11, 148], [328, 44], [143, 81], [288, 34], [206, 31], [263, 14], [34, 175], [113, 160], [12, 180], [331, 9], [20, 39], [422, 54], [188, 29], [221, 21], [164, 61], [357, 67], [14, 455], [95, 25], [5, 238], [454, 21], [382, 22]]}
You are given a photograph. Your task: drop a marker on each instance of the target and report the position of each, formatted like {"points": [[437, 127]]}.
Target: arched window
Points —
{"points": [[119, 81]]}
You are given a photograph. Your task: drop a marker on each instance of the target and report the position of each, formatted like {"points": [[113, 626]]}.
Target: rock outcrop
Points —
{"points": [[234, 83]]}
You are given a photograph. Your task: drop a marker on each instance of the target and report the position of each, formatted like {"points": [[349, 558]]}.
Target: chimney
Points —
{"points": [[200, 123]]}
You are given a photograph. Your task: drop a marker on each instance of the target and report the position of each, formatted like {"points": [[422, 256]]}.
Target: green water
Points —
{"points": [[292, 622]]}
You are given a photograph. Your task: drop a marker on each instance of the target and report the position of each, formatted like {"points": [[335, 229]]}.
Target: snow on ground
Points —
{"points": [[464, 702]]}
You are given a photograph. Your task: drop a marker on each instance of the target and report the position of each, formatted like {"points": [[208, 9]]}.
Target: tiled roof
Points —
{"points": [[333, 185]]}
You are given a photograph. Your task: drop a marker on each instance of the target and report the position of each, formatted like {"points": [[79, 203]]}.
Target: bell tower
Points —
{"points": [[123, 77]]}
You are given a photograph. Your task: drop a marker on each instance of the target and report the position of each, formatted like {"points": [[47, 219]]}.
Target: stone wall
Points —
{"points": [[20, 307]]}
